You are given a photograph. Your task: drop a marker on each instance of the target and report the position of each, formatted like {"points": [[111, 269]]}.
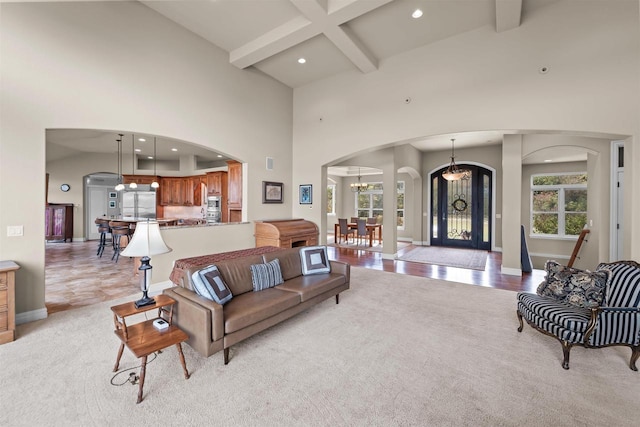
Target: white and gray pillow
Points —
{"points": [[314, 260], [208, 283]]}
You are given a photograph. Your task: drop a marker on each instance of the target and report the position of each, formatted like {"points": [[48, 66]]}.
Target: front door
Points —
{"points": [[461, 210]]}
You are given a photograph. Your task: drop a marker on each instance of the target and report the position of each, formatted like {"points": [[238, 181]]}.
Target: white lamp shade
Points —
{"points": [[146, 241]]}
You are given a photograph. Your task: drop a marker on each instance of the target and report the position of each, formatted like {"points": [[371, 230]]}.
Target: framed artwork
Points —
{"points": [[271, 192], [113, 195], [305, 194], [112, 203]]}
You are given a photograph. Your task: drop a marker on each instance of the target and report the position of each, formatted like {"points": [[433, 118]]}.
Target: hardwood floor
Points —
{"points": [[76, 277]]}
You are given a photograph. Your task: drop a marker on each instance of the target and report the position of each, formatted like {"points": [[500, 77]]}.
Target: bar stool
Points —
{"points": [[103, 229], [119, 230]]}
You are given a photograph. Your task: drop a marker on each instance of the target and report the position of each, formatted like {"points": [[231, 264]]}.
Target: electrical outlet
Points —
{"points": [[15, 230]]}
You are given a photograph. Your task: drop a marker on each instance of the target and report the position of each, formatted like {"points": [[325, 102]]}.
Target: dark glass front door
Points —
{"points": [[461, 210]]}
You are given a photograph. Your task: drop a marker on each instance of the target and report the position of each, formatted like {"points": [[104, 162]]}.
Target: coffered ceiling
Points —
{"points": [[333, 36]]}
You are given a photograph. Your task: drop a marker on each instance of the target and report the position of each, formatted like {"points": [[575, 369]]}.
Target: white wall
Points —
{"points": [[483, 80], [120, 65]]}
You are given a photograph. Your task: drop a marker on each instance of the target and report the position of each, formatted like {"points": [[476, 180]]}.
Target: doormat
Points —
{"points": [[472, 259]]}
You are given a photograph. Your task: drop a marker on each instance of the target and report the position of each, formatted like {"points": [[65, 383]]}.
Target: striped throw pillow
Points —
{"points": [[264, 276]]}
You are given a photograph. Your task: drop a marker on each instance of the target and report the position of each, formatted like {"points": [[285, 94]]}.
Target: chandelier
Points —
{"points": [[120, 185], [359, 186], [453, 172]]}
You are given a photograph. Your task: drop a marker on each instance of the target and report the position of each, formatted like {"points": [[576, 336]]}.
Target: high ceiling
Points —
{"points": [[333, 36]]}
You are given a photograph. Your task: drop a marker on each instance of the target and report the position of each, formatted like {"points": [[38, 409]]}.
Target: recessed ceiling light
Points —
{"points": [[141, 139], [149, 157], [548, 161], [174, 149], [138, 150], [219, 155], [301, 60], [416, 14]]}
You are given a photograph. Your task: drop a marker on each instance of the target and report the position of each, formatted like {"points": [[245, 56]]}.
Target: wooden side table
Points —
{"points": [[8, 301], [143, 338]]}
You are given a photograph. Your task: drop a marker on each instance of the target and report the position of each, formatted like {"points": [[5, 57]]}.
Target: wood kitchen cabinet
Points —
{"points": [[234, 191], [216, 183], [180, 191], [58, 223], [8, 301], [139, 179]]}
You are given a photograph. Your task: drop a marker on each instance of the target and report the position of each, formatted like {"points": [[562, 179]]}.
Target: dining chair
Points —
{"points": [[372, 221], [344, 230], [354, 219], [362, 230]]}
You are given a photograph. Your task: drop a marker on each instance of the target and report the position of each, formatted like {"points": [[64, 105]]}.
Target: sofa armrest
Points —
{"points": [[196, 314], [340, 267]]}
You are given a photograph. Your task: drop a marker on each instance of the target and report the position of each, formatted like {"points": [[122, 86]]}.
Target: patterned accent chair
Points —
{"points": [[592, 309]]}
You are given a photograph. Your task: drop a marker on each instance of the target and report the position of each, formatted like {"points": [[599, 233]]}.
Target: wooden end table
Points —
{"points": [[143, 338]]}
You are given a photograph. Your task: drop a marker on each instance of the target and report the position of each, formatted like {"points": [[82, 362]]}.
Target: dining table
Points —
{"points": [[372, 230]]}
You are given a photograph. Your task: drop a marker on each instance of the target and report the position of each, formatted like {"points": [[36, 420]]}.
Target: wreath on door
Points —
{"points": [[459, 205]]}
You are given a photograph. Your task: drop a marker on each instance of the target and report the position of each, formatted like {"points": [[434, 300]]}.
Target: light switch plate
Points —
{"points": [[15, 230]]}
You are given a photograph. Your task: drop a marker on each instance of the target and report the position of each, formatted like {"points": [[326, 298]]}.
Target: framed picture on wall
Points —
{"points": [[113, 195], [305, 194], [271, 192], [112, 203]]}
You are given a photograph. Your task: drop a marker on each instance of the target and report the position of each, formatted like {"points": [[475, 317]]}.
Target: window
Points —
{"points": [[369, 203], [558, 204], [331, 199], [400, 205]]}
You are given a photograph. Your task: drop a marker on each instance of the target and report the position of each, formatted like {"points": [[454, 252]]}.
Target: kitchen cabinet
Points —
{"points": [[139, 179], [58, 222], [216, 183], [234, 191], [180, 191]]}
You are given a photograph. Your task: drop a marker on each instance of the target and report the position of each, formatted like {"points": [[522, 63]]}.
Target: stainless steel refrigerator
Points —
{"points": [[139, 204]]}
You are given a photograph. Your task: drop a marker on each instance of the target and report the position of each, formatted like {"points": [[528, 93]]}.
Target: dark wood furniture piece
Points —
{"points": [[234, 191], [8, 301], [286, 233], [372, 229], [58, 223], [143, 338], [576, 249]]}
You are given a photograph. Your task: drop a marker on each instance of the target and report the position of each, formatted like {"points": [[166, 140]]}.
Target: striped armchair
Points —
{"points": [[592, 309]]}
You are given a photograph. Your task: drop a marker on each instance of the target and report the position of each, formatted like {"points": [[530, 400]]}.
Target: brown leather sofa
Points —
{"points": [[213, 327]]}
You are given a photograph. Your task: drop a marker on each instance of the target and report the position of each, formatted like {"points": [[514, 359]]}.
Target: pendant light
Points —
{"points": [[154, 184], [133, 184], [359, 186], [453, 172], [120, 185]]}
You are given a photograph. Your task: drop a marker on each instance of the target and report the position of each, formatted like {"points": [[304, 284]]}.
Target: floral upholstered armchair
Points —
{"points": [[592, 309]]}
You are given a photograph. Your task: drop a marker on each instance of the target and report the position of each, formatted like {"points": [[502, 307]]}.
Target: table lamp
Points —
{"points": [[146, 242]]}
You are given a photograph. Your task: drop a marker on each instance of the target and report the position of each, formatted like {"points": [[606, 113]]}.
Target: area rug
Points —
{"points": [[450, 257], [398, 350]]}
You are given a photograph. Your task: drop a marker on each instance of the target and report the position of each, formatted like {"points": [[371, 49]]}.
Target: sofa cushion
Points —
{"points": [[562, 320], [289, 262], [624, 289], [237, 273], [208, 283], [580, 288], [314, 260], [252, 307], [267, 275], [313, 285]]}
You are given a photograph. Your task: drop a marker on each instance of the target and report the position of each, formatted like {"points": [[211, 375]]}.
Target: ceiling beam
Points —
{"points": [[319, 17], [508, 14]]}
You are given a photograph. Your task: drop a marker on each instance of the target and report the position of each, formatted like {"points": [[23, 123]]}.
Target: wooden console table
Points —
{"points": [[143, 338], [8, 301]]}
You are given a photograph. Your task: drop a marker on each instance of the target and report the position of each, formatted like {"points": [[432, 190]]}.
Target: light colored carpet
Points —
{"points": [[463, 258], [397, 350]]}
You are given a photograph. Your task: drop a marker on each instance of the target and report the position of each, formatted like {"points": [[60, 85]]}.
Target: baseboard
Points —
{"points": [[548, 256], [511, 271], [31, 316], [419, 243], [388, 256], [78, 239]]}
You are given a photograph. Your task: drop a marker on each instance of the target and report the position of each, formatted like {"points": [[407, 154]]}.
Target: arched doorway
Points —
{"points": [[461, 210]]}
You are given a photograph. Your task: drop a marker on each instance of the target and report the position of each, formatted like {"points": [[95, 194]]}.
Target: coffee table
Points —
{"points": [[143, 338]]}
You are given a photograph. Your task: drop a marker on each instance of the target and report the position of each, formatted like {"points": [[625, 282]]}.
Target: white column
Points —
{"points": [[511, 202]]}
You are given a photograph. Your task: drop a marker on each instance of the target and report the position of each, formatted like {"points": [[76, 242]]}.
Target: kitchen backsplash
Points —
{"points": [[184, 211]]}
